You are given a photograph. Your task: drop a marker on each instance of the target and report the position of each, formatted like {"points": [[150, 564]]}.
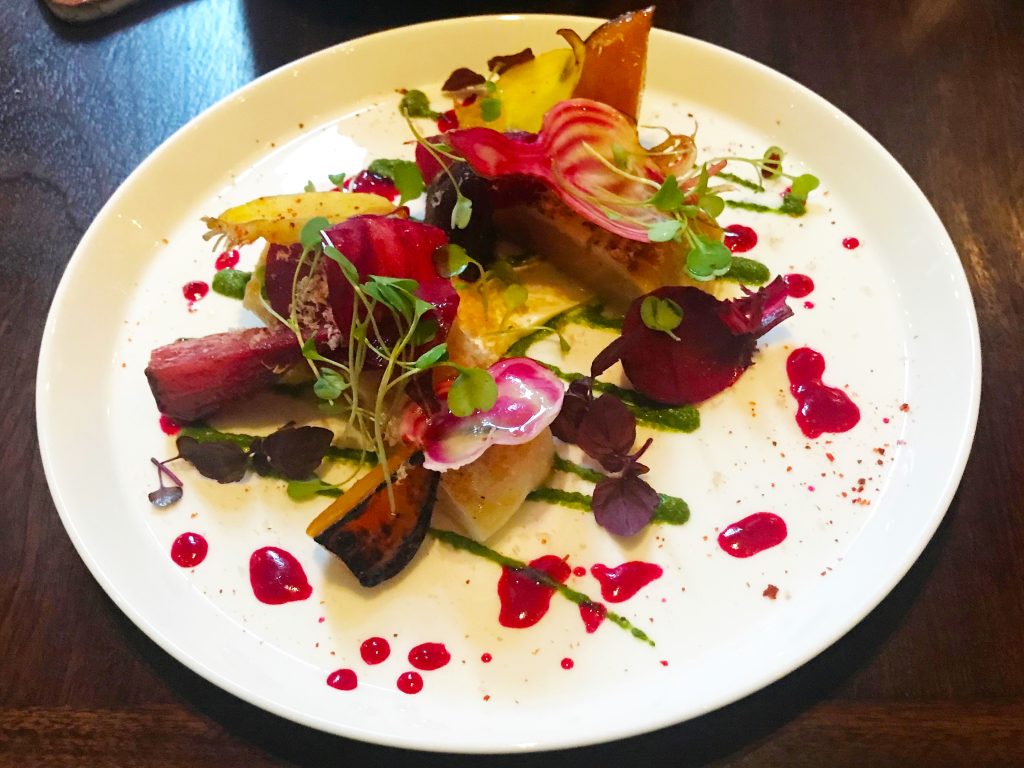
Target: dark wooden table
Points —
{"points": [[933, 677]]}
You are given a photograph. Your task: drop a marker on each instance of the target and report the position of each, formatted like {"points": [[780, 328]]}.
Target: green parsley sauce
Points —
{"points": [[473, 547], [204, 433]]}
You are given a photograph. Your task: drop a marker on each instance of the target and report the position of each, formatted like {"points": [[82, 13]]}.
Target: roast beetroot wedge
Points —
{"points": [[375, 540], [193, 378], [715, 344]]}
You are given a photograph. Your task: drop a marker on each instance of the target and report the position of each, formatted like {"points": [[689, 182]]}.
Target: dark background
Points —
{"points": [[933, 677]]}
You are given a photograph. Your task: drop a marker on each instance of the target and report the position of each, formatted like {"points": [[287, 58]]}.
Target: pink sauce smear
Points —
{"points": [[624, 581], [592, 614], [277, 577], [753, 534], [189, 550], [820, 408], [524, 601]]}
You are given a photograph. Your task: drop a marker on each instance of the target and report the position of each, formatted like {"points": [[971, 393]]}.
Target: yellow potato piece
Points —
{"points": [[481, 497], [280, 218]]}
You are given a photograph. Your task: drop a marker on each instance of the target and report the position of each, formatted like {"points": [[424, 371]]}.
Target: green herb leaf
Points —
{"points": [[713, 205], [347, 267], [310, 187], [231, 283], [451, 260], [432, 356], [771, 163], [395, 293], [515, 296], [490, 109], [707, 259], [404, 173], [416, 104], [329, 385], [462, 211], [661, 315], [337, 179], [473, 390], [425, 331], [668, 198], [803, 185], [663, 231], [309, 236]]}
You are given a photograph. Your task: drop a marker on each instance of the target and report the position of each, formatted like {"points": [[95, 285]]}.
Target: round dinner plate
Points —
{"points": [[893, 318]]}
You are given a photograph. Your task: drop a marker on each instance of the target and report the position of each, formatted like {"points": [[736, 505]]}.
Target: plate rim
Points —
{"points": [[869, 601]]}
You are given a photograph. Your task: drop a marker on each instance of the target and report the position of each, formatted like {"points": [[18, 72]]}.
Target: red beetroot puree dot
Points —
{"points": [[567, 663], [375, 650], [277, 577], [169, 426], [850, 243], [820, 408], [739, 239], [410, 682], [524, 600], [195, 290], [753, 534], [189, 550], [227, 260], [371, 184], [429, 656], [343, 679], [798, 286]]}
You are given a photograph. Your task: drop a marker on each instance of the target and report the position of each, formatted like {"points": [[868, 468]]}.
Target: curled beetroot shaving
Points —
{"points": [[588, 153], [715, 344]]}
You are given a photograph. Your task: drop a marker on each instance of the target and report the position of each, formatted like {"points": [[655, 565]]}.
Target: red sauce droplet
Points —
{"points": [[375, 650], [169, 426], [371, 184], [567, 663], [739, 239], [579, 570], [343, 679], [448, 121], [189, 550], [195, 290], [808, 305], [410, 682], [277, 577], [624, 581], [820, 408], [524, 601], [429, 656], [486, 658], [797, 286], [592, 614], [227, 260], [753, 534], [850, 243]]}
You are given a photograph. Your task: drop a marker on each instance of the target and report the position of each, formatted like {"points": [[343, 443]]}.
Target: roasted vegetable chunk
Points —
{"points": [[375, 541]]}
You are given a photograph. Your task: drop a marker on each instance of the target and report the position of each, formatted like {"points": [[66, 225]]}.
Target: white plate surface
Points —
{"points": [[894, 319]]}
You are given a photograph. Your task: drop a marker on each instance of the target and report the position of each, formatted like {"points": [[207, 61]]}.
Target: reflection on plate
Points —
{"points": [[893, 317]]}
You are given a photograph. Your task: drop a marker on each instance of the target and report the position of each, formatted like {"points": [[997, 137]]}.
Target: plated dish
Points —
{"points": [[455, 656]]}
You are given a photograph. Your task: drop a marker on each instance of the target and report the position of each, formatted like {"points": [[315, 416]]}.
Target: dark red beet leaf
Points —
{"points": [[715, 345]]}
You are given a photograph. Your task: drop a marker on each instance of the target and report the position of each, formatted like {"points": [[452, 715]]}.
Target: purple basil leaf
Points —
{"points": [[624, 505], [498, 64], [295, 452], [607, 357], [607, 433], [575, 405], [220, 461], [260, 462], [461, 79], [165, 496]]}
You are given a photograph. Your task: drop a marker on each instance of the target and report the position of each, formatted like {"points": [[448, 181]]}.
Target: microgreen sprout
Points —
{"points": [[166, 495], [404, 173], [337, 179], [661, 315]]}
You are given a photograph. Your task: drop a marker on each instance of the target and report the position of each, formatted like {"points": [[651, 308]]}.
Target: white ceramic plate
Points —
{"points": [[894, 319]]}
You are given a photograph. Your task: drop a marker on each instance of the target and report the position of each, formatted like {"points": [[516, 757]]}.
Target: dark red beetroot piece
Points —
{"points": [[716, 342], [376, 541], [194, 378]]}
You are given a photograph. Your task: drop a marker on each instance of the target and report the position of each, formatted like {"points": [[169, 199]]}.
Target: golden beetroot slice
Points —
{"points": [[375, 541], [615, 62]]}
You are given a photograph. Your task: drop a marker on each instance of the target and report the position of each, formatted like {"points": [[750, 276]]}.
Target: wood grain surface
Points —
{"points": [[933, 677]]}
